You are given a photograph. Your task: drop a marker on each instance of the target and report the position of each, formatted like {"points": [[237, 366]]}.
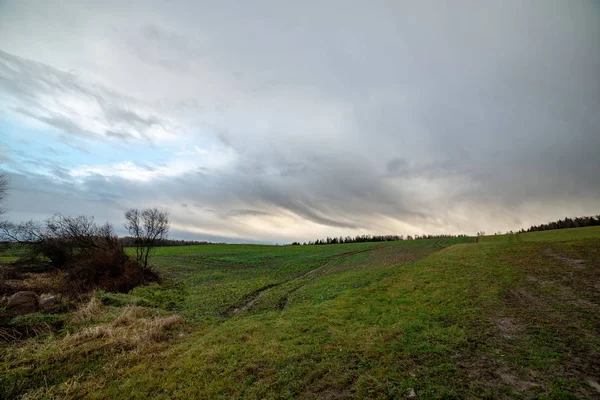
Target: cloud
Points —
{"points": [[293, 122], [63, 101], [239, 212]]}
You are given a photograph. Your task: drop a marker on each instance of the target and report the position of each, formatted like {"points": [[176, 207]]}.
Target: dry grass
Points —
{"points": [[7, 335], [132, 329], [87, 310], [45, 282], [51, 283], [105, 337]]}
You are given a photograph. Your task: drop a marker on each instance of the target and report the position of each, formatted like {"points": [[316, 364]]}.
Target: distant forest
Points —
{"points": [[578, 222], [128, 241], [372, 238]]}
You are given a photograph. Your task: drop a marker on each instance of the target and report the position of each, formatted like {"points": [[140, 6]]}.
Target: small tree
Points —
{"points": [[147, 227], [62, 239], [3, 191], [90, 255]]}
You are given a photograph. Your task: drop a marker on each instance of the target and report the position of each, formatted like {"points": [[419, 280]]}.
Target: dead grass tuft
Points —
{"points": [[131, 330], [87, 310], [129, 316], [45, 282], [8, 335]]}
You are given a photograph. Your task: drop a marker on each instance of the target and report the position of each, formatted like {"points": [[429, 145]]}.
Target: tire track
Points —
{"points": [[249, 300]]}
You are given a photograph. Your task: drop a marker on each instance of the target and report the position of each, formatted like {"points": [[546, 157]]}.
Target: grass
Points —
{"points": [[545, 236], [512, 316], [204, 281], [10, 252]]}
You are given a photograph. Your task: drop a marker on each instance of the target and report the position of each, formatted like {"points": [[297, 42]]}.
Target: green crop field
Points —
{"points": [[558, 235], [510, 316], [11, 253]]}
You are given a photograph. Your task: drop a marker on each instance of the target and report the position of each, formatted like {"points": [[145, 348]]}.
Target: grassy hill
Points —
{"points": [[558, 235], [510, 316]]}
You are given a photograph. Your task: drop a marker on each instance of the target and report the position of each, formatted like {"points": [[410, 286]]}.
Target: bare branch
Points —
{"points": [[3, 191], [147, 227]]}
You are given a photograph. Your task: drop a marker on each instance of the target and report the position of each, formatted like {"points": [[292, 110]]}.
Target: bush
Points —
{"points": [[89, 255], [110, 270]]}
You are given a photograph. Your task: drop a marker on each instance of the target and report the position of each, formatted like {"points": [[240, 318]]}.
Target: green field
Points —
{"points": [[558, 235], [11, 253], [509, 316]]}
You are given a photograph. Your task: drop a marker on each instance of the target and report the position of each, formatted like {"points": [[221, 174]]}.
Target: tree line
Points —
{"points": [[578, 222], [130, 241], [371, 238]]}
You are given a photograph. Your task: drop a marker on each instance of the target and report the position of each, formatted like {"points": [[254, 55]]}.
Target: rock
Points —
{"points": [[49, 301], [23, 303]]}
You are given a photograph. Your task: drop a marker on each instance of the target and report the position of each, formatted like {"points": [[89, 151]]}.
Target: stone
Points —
{"points": [[23, 303], [47, 302]]}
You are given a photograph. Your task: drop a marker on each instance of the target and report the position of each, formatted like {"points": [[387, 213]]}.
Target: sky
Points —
{"points": [[271, 121]]}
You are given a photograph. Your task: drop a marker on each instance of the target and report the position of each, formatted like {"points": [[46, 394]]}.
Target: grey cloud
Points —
{"points": [[185, 235], [397, 166], [243, 212], [464, 117], [119, 135], [127, 115], [73, 142], [61, 122], [294, 169], [28, 84]]}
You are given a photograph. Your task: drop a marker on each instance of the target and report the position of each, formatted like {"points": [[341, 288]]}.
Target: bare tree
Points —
{"points": [[147, 227], [90, 254], [61, 239], [3, 191]]}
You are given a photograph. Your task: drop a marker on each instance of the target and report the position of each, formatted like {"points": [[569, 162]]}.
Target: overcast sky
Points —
{"points": [[275, 121]]}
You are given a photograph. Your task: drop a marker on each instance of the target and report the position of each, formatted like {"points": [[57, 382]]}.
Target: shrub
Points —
{"points": [[90, 255]]}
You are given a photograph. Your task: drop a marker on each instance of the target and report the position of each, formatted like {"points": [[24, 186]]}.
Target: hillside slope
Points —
{"points": [[501, 318]]}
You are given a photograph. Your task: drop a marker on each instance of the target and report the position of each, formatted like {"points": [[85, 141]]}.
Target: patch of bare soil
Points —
{"points": [[330, 394], [508, 328], [521, 297], [517, 384], [571, 262], [556, 307], [487, 372], [593, 383]]}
